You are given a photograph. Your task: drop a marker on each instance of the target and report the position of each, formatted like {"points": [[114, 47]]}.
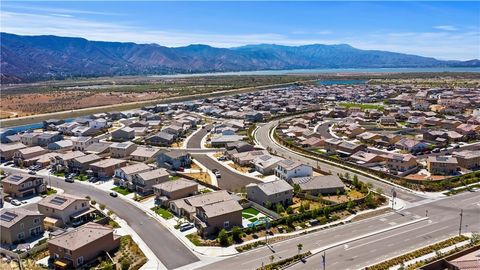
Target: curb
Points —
{"points": [[319, 250]]}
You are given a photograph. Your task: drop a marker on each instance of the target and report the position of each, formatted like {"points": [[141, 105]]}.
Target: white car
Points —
{"points": [[15, 202]]}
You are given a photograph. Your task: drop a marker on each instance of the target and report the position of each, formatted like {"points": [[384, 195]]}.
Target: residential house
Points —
{"points": [[223, 140], [27, 153], [122, 150], [185, 207], [81, 245], [82, 131], [99, 148], [288, 169], [19, 224], [65, 209], [266, 164], [401, 164], [65, 161], [387, 121], [313, 142], [48, 137], [98, 123], [105, 168], [365, 158], [315, 185], [81, 143], [174, 190], [124, 175], [174, 159], [442, 165], [411, 145], [61, 146], [145, 154], [211, 218], [29, 138], [270, 193], [143, 182], [82, 163], [246, 158], [123, 134], [161, 138], [468, 159], [22, 185], [7, 150]]}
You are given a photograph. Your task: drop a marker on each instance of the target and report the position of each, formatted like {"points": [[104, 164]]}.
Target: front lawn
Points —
{"points": [[121, 190], [251, 211], [81, 177], [59, 174], [166, 214]]}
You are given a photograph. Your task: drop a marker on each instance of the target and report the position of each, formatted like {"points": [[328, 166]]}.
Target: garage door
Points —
{"points": [[28, 193]]}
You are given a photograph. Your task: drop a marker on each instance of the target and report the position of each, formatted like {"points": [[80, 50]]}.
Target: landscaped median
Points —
{"points": [[435, 252]]}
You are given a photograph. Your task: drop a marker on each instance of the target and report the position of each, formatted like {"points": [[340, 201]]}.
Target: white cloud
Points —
{"points": [[443, 45], [446, 27]]}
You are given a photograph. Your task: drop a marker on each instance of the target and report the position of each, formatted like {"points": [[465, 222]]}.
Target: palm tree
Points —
{"points": [[299, 246]]}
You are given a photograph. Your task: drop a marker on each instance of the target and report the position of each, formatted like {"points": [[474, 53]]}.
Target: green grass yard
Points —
{"points": [[363, 106], [121, 190], [251, 211], [162, 212]]}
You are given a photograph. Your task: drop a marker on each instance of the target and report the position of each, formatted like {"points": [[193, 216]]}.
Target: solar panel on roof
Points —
{"points": [[58, 200], [8, 216], [16, 178]]}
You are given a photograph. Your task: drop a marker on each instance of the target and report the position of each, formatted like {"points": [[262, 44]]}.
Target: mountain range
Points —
{"points": [[34, 58]]}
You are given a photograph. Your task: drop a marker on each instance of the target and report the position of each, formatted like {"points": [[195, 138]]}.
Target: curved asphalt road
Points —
{"points": [[168, 249], [229, 180], [263, 138]]}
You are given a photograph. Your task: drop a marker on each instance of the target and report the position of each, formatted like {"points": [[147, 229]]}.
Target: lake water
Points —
{"points": [[319, 71], [330, 82]]}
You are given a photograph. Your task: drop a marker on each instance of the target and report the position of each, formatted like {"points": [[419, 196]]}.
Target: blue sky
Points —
{"points": [[445, 30]]}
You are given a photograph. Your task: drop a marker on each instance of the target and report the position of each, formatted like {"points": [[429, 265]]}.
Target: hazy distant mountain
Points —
{"points": [[30, 58]]}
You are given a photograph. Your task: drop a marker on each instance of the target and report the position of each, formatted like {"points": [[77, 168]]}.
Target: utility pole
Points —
{"points": [[461, 219]]}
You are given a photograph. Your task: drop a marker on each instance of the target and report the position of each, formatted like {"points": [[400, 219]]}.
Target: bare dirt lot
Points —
{"points": [[28, 104]]}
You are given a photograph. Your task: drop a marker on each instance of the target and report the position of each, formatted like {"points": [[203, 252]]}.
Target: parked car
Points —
{"points": [[218, 175], [222, 158], [113, 194], [15, 202], [92, 179], [185, 226], [436, 150], [32, 172], [69, 180]]}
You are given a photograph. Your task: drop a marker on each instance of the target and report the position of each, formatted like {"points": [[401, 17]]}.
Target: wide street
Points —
{"points": [[443, 222], [168, 249]]}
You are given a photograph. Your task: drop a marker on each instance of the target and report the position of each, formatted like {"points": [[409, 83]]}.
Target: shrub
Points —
{"points": [[93, 202], [102, 206], [237, 234], [223, 238]]}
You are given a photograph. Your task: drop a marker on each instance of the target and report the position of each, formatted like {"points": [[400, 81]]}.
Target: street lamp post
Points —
{"points": [[461, 219]]}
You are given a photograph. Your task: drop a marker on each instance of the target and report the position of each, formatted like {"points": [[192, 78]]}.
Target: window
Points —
{"points": [[36, 220], [80, 260], [22, 225], [21, 235], [226, 224]]}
